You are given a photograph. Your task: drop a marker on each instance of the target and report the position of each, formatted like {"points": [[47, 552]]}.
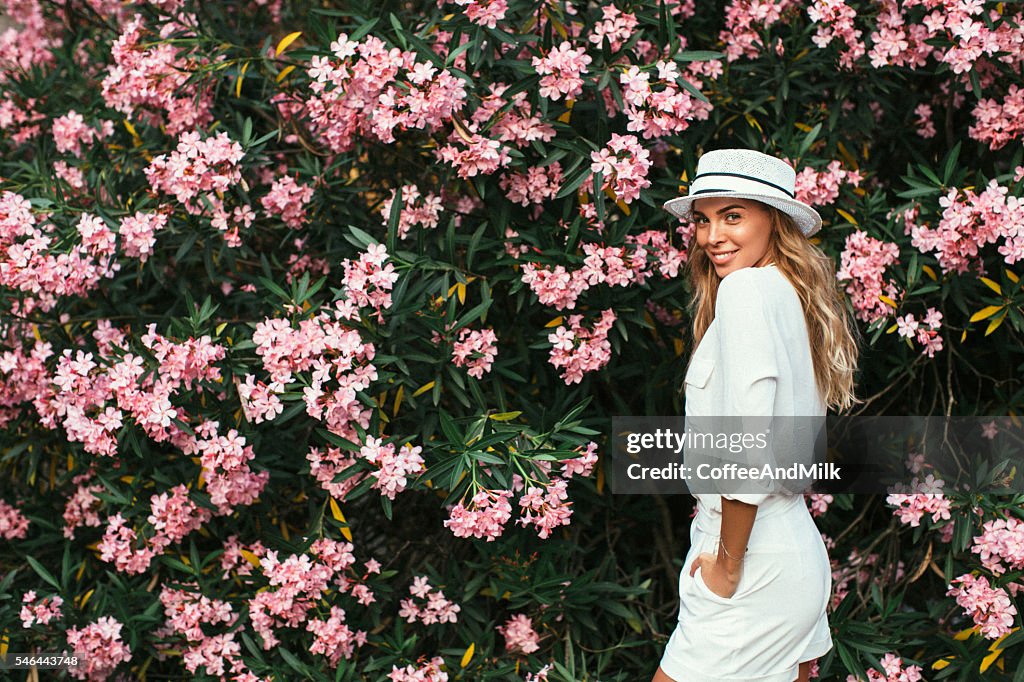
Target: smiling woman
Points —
{"points": [[756, 582]]}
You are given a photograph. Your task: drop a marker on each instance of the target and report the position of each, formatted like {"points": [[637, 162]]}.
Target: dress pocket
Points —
{"points": [[698, 579], [699, 371]]}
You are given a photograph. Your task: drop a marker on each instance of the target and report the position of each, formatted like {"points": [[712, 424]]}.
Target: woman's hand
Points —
{"points": [[719, 578]]}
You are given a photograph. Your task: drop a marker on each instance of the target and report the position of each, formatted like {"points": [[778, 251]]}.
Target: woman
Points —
{"points": [[772, 338]]}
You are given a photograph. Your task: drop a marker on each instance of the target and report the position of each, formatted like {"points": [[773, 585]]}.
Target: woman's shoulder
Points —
{"points": [[764, 287]]}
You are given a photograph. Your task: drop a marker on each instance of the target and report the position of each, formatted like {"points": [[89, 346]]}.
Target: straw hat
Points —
{"points": [[747, 174]]}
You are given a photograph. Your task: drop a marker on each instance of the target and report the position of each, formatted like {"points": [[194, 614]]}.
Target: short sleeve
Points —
{"points": [[747, 355]]}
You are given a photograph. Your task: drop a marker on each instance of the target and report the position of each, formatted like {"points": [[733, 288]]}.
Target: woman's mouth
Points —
{"points": [[724, 257]]}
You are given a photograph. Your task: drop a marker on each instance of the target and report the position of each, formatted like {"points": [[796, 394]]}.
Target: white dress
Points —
{"points": [[754, 360]]}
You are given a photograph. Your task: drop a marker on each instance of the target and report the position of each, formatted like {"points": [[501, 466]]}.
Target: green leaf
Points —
{"points": [[42, 571]]}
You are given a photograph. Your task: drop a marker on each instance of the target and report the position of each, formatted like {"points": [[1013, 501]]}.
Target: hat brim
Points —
{"points": [[805, 217]]}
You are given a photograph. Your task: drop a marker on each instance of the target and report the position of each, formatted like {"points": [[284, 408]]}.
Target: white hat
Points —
{"points": [[747, 174]]}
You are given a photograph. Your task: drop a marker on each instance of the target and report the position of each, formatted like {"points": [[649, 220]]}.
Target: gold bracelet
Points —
{"points": [[722, 545]]}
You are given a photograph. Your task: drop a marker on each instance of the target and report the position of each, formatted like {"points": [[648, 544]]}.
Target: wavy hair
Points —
{"points": [[833, 335]]}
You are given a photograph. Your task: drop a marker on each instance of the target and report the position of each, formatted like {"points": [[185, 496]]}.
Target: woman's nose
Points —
{"points": [[715, 232]]}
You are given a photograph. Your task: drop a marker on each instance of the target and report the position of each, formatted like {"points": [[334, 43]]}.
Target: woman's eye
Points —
{"points": [[733, 216]]}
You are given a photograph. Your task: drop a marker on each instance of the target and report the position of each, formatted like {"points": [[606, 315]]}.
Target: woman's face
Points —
{"points": [[734, 233]]}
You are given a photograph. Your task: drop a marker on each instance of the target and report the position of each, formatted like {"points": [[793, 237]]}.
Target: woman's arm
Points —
{"points": [[722, 573]]}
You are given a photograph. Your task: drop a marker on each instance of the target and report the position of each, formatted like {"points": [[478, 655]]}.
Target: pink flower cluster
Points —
{"points": [[40, 611], [582, 465], [835, 20], [862, 264], [70, 132], [436, 609], [288, 199], [624, 164], [561, 70], [892, 671], [13, 524], [368, 281], [745, 20], [185, 613], [259, 401], [669, 109], [546, 507], [365, 89], [301, 581], [475, 349], [924, 124], [174, 516], [617, 26], [82, 509], [325, 466], [998, 123], [484, 12], [990, 607], [429, 671], [138, 233], [473, 155], [100, 648], [416, 210], [520, 637], [819, 503], [225, 461], [821, 188], [911, 508], [925, 331], [518, 125], [578, 350], [196, 169], [484, 517], [392, 468], [149, 80], [535, 186], [30, 260], [1001, 545], [968, 223]]}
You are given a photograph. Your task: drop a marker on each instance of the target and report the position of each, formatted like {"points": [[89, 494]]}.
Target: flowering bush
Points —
{"points": [[288, 385]]}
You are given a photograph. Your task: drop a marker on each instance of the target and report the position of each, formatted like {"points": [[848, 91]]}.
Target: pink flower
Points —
{"points": [[288, 199], [484, 517], [990, 607], [624, 164], [520, 637], [13, 524], [561, 69], [40, 611], [578, 350], [475, 349], [99, 646]]}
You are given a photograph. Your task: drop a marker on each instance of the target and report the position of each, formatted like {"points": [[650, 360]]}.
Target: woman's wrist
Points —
{"points": [[732, 562]]}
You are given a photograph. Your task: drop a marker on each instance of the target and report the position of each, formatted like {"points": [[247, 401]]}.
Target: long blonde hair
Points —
{"points": [[833, 335]]}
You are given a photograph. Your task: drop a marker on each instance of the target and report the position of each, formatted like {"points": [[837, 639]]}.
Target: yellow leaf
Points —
{"points": [[753, 123], [849, 218], [286, 41], [468, 655], [564, 118], [965, 634], [505, 416], [336, 511], [928, 271], [451, 290], [678, 346], [888, 301], [963, 337], [803, 126], [3, 644], [220, 328], [623, 206], [284, 73], [131, 129], [35, 332], [891, 329], [942, 663], [986, 312], [461, 289], [554, 323], [989, 660], [347, 533], [398, 399], [284, 531], [1011, 275], [85, 598], [423, 389], [238, 81], [994, 324], [847, 156], [994, 286]]}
